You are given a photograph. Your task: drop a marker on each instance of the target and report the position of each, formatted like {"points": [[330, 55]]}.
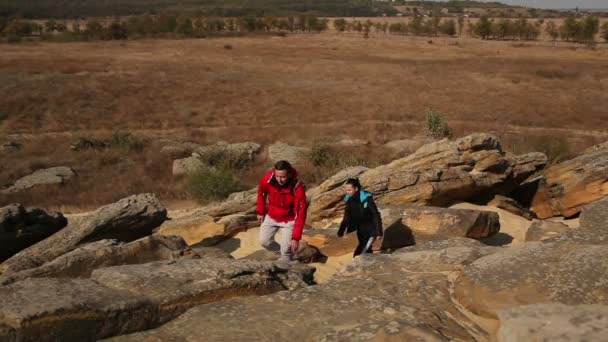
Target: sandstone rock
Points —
{"points": [[21, 228], [126, 220], [186, 166], [534, 273], [511, 206], [199, 228], [245, 151], [593, 227], [543, 230], [441, 223], [352, 143], [439, 173], [123, 299], [104, 253], [53, 175], [383, 297], [179, 150], [553, 322], [329, 243], [572, 184], [282, 151], [53, 309]]}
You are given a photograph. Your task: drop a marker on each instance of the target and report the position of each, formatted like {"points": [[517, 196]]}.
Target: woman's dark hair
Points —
{"points": [[283, 165], [354, 181]]}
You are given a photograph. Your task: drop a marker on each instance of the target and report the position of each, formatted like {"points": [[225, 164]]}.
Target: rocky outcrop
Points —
{"points": [[553, 322], [10, 147], [22, 227], [104, 253], [533, 273], [126, 220], [282, 151], [124, 299], [399, 297], [471, 168], [53, 175], [593, 227], [569, 186], [441, 223], [352, 143]]}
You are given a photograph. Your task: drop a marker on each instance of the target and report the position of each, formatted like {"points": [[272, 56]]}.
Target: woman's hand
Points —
{"points": [[377, 245]]}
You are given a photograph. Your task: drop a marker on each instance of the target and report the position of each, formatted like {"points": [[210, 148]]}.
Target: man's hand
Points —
{"points": [[260, 218], [294, 246]]}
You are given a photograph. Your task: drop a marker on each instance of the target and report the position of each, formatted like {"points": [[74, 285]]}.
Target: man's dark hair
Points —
{"points": [[283, 165]]}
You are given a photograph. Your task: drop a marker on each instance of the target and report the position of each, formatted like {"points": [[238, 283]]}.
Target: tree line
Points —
{"points": [[582, 30], [74, 9], [165, 26]]}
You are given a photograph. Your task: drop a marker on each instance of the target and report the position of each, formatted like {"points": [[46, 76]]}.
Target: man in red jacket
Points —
{"points": [[281, 206]]}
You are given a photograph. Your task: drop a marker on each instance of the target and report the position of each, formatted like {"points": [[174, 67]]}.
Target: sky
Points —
{"points": [[559, 3]]}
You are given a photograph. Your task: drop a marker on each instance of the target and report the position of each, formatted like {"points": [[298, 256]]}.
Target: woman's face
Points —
{"points": [[350, 189]]}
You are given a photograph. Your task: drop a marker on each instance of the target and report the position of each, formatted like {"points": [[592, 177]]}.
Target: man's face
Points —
{"points": [[282, 176]]}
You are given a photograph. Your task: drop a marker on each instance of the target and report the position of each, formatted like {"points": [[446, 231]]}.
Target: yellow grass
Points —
{"points": [[299, 89]]}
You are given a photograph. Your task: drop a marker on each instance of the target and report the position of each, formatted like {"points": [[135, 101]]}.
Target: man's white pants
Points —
{"points": [[268, 230]]}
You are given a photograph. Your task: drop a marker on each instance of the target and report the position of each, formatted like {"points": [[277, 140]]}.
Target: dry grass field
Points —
{"points": [[300, 89]]}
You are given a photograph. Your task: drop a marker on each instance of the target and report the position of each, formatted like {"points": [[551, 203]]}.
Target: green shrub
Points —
{"points": [[213, 184], [225, 160], [126, 141], [436, 124]]}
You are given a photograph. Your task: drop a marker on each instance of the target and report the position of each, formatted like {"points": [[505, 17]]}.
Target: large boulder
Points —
{"points": [[593, 226], [126, 220], [553, 322], [244, 152], [186, 166], [399, 297], [53, 175], [545, 230], [104, 253], [572, 184], [534, 273], [22, 227], [441, 223], [124, 299], [473, 168], [282, 151]]}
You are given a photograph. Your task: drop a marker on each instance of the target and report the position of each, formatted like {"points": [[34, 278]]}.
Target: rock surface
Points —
{"points": [[123, 299], [544, 230], [402, 297], [104, 253], [554, 322], [442, 223], [126, 220], [22, 227], [572, 184], [53, 175], [535, 273]]}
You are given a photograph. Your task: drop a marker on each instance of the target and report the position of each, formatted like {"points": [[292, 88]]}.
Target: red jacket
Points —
{"points": [[283, 203]]}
